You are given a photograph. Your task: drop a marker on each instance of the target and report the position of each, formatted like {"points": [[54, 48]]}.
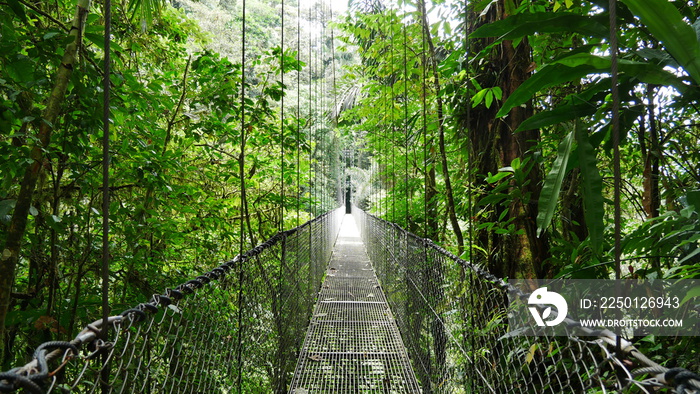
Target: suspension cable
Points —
{"points": [[393, 125], [281, 219], [424, 115], [105, 162], [105, 185], [470, 171], [321, 101], [298, 130], [405, 122], [334, 90], [615, 124], [314, 104], [239, 354]]}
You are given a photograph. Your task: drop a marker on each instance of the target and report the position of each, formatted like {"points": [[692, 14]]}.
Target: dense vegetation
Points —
{"points": [[191, 182], [490, 129], [498, 145]]}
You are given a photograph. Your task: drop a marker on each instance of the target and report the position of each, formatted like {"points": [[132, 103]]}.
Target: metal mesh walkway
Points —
{"points": [[353, 344]]}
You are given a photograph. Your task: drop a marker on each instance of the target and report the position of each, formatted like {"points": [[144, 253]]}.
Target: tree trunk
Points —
{"points": [[651, 198], [494, 145], [18, 223]]}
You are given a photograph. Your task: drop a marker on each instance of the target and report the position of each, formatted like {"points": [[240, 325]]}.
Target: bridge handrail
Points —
{"points": [[30, 375], [681, 379]]}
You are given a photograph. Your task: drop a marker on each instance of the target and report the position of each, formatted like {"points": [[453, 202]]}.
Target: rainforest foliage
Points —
{"points": [[192, 183], [488, 128], [483, 125]]}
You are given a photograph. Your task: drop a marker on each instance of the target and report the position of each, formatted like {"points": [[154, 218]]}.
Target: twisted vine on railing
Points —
{"points": [[452, 316], [237, 327]]}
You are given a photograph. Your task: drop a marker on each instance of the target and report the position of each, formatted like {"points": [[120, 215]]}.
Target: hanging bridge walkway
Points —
{"points": [[317, 309], [353, 343]]}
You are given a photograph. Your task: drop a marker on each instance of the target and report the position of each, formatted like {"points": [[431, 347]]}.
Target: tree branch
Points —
{"points": [[171, 122]]}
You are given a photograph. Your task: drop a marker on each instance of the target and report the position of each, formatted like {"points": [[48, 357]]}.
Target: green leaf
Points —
{"points": [[592, 185], [51, 34], [552, 185], [524, 24], [689, 256], [479, 97], [6, 206], [99, 41], [646, 72], [666, 24], [550, 75], [489, 99], [20, 69], [693, 198], [18, 9], [557, 115], [692, 293], [498, 176], [576, 66], [144, 11], [491, 199]]}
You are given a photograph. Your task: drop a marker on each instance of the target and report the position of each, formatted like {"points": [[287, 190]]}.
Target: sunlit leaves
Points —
{"points": [[487, 96]]}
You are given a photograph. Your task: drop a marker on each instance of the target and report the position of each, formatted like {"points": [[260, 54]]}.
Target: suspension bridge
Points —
{"points": [[345, 303], [336, 312]]}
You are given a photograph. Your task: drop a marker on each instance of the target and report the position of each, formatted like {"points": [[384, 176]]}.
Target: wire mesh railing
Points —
{"points": [[453, 319], [236, 328]]}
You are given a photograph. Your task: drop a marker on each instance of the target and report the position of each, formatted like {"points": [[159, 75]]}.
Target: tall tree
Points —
{"points": [[15, 234], [494, 145], [440, 113]]}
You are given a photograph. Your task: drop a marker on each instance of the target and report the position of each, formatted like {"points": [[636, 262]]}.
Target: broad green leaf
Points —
{"points": [[51, 34], [489, 99], [689, 256], [523, 24], [557, 115], [21, 69], [692, 293], [479, 97], [592, 185], [646, 72], [549, 195], [666, 24], [579, 65], [693, 198], [498, 176], [6, 206], [550, 75], [18, 9], [99, 41]]}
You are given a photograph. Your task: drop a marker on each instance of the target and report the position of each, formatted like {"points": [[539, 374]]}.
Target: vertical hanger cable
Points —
{"points": [[282, 70], [298, 131], [391, 119], [615, 124], [405, 123], [424, 115], [239, 355], [105, 184]]}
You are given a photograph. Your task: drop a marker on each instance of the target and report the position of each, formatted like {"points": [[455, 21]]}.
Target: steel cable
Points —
{"points": [[190, 339]]}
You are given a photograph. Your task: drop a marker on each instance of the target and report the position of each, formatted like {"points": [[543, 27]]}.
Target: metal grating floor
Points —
{"points": [[353, 344]]}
